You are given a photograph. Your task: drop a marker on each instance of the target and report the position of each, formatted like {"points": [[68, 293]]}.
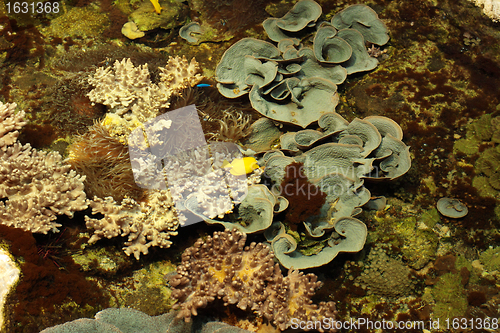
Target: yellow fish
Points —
{"points": [[157, 6], [241, 166]]}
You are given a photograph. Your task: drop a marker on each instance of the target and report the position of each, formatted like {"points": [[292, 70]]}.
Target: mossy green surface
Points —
{"points": [[107, 261], [491, 259], [145, 290], [430, 217], [77, 22], [450, 297], [418, 246], [146, 18]]}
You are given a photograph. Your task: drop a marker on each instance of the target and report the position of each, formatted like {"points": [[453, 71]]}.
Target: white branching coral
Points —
{"points": [[10, 123], [128, 90], [147, 223], [35, 186]]}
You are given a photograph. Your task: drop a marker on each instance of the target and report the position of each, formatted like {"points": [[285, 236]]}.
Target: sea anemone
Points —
{"points": [[106, 164], [221, 119], [234, 126]]}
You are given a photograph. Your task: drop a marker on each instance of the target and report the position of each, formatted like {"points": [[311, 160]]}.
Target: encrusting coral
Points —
{"points": [[146, 223], [35, 186], [223, 267]]}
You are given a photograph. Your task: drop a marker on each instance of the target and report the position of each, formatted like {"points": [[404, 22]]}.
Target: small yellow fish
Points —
{"points": [[241, 166], [157, 6]]}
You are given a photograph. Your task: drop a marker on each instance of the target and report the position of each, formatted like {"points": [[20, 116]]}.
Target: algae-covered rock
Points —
{"points": [[491, 259], [146, 18], [430, 217], [449, 295], [467, 146], [78, 21]]}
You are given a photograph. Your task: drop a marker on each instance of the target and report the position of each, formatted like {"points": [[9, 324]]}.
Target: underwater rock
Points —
{"points": [[453, 208], [491, 8], [146, 18]]}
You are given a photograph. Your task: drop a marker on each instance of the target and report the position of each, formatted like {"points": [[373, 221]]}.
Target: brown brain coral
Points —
{"points": [[223, 267]]}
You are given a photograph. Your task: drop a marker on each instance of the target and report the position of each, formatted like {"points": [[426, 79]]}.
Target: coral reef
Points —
{"points": [[49, 292], [222, 267], [484, 132], [293, 83], [35, 186], [329, 167], [147, 223], [129, 92]]}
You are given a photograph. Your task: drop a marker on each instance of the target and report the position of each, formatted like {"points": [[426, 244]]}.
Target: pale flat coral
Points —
{"points": [[35, 186], [146, 223]]}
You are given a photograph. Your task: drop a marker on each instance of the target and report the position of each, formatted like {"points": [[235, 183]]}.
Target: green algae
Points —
{"points": [[417, 245], [104, 260], [491, 259], [145, 290], [430, 217], [78, 21], [449, 295]]}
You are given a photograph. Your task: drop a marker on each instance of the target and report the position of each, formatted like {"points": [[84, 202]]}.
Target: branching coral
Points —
{"points": [[147, 223], [129, 92], [10, 124], [35, 186], [223, 267]]}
